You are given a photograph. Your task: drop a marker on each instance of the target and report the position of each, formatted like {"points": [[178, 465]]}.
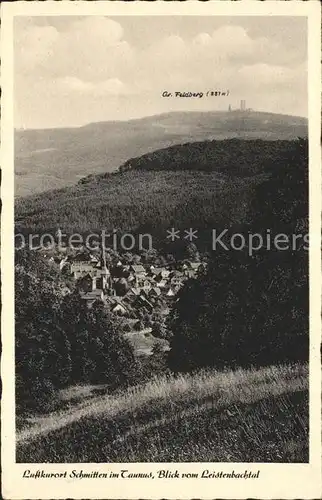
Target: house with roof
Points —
{"points": [[94, 259], [189, 266], [84, 283], [155, 292], [155, 271], [162, 274], [145, 292], [79, 267], [82, 256], [162, 284], [131, 278], [195, 265], [172, 291], [177, 278], [129, 300], [132, 294], [118, 306], [80, 273], [139, 274], [90, 297], [142, 301], [146, 285], [109, 300], [92, 280], [138, 270], [119, 309]]}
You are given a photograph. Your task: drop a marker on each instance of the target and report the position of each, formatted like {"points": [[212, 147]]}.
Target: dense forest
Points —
{"points": [[253, 310]]}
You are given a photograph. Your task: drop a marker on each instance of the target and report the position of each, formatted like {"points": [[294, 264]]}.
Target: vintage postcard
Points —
{"points": [[161, 268]]}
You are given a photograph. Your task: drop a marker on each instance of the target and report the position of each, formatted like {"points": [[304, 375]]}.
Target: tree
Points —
{"points": [[42, 350], [121, 287], [159, 329], [100, 353], [192, 252]]}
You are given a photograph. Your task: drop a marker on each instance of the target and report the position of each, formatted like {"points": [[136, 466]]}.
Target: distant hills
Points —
{"points": [[54, 158]]}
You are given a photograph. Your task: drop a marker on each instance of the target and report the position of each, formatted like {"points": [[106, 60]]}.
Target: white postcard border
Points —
{"points": [[284, 481]]}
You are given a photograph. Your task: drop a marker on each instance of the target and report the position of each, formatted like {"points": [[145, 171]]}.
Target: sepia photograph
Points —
{"points": [[162, 244]]}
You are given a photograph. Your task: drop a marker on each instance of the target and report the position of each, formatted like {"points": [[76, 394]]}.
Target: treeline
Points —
{"points": [[253, 309], [232, 157]]}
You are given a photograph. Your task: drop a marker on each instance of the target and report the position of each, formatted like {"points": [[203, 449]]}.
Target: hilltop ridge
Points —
{"points": [[55, 158]]}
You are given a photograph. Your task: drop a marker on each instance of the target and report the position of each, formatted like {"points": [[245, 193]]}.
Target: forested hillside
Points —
{"points": [[137, 201], [202, 185]]}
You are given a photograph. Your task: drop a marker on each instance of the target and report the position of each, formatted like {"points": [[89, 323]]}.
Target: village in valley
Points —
{"points": [[139, 292]]}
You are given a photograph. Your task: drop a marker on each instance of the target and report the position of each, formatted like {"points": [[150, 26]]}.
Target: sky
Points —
{"points": [[70, 71]]}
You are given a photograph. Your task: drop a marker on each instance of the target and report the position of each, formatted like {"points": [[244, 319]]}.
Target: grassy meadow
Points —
{"points": [[255, 415]]}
